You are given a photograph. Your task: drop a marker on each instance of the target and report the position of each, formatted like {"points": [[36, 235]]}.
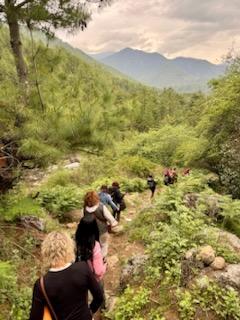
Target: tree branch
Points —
{"points": [[21, 4], [2, 8]]}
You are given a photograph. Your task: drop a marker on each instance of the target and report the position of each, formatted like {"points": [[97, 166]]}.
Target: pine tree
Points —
{"points": [[46, 15]]}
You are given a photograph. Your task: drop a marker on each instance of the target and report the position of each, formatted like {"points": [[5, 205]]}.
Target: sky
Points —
{"points": [[207, 29]]}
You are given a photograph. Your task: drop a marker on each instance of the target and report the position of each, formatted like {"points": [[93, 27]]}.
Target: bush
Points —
{"points": [[41, 153], [136, 165], [59, 200]]}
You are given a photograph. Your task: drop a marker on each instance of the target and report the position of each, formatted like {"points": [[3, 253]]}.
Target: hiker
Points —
{"points": [[151, 184], [104, 218], [167, 176], [65, 286], [88, 246], [118, 199], [106, 199]]}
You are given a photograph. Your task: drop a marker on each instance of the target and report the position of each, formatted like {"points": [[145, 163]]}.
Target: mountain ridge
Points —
{"points": [[182, 73]]}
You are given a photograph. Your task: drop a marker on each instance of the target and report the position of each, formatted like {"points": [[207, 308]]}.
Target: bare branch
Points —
{"points": [[22, 4]]}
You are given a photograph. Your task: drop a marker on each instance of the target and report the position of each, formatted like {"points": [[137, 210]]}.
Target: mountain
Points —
{"points": [[183, 74]]}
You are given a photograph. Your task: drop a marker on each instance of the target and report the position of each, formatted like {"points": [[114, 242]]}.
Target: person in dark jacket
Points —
{"points": [[151, 184], [118, 199], [66, 283]]}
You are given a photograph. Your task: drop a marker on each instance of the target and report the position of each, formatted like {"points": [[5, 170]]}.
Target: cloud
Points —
{"points": [[204, 29]]}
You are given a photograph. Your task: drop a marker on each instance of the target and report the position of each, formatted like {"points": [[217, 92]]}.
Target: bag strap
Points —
{"points": [[47, 299]]}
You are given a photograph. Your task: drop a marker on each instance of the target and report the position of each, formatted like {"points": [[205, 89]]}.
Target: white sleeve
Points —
{"points": [[107, 214]]}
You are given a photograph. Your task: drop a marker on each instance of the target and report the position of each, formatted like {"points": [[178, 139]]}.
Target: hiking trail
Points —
{"points": [[121, 248]]}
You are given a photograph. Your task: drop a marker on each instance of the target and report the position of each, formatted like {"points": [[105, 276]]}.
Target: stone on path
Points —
{"points": [[218, 263]]}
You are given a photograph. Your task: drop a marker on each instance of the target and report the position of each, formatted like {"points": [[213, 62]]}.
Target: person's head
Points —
{"points": [[86, 235], [115, 184], [104, 188], [57, 250], [150, 176], [91, 199]]}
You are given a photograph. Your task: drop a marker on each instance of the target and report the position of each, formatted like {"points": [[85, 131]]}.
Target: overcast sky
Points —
{"points": [[198, 28]]}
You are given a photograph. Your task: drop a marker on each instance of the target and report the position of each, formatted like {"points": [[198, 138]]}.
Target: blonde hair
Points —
{"points": [[57, 248]]}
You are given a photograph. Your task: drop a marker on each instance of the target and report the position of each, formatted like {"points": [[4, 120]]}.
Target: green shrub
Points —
{"points": [[224, 302], [14, 208], [136, 165], [40, 152], [59, 200], [131, 303]]}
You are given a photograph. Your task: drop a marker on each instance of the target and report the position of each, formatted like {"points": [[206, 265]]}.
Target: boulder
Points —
{"points": [[206, 255], [230, 239], [134, 267], [218, 263], [73, 165], [32, 222], [230, 276], [213, 208], [190, 200], [73, 215], [190, 254]]}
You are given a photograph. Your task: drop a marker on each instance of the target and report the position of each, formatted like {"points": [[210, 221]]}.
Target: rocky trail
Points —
{"points": [[121, 248]]}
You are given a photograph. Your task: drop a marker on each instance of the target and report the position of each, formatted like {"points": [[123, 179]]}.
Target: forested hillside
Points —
{"points": [[153, 69], [118, 130]]}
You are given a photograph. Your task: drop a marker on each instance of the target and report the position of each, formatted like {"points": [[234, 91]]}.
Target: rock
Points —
{"points": [[74, 158], [73, 165], [206, 255], [190, 200], [32, 222], [230, 238], [133, 268], [218, 263], [73, 215], [72, 225], [213, 209], [230, 276], [190, 254]]}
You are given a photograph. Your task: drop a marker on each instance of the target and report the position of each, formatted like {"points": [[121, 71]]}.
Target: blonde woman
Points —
{"points": [[66, 284]]}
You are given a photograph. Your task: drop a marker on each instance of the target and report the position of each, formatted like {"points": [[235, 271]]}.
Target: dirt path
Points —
{"points": [[120, 248]]}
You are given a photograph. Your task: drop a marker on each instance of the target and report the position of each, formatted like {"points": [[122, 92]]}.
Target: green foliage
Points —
{"points": [[40, 152], [224, 302], [136, 165], [17, 203], [59, 200], [168, 145], [19, 298], [130, 304], [126, 185]]}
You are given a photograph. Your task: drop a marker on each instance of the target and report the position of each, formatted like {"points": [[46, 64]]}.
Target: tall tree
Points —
{"points": [[46, 15]]}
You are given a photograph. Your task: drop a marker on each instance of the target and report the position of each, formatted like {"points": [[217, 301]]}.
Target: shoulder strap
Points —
{"points": [[46, 297]]}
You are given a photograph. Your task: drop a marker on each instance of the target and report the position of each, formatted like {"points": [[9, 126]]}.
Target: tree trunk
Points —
{"points": [[16, 45]]}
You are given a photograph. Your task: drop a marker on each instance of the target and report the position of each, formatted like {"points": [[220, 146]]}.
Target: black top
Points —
{"points": [[116, 194], [67, 292]]}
